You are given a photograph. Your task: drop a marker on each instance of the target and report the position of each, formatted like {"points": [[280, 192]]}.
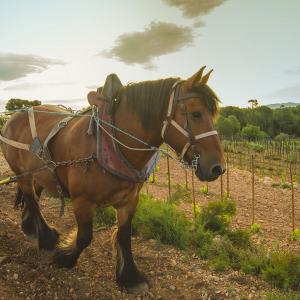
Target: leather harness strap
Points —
{"points": [[187, 132], [42, 151], [14, 143]]}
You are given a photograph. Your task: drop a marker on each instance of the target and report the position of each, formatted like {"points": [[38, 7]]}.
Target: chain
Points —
{"points": [[72, 162]]}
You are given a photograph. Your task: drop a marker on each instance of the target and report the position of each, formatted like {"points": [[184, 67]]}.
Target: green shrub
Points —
{"points": [[201, 240], [181, 193], [256, 147], [295, 234], [204, 190], [255, 228], [239, 238], [282, 137], [161, 221], [217, 215], [105, 216], [276, 295], [283, 271], [254, 260]]}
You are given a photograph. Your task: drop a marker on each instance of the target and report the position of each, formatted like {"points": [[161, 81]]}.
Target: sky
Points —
{"points": [[57, 51]]}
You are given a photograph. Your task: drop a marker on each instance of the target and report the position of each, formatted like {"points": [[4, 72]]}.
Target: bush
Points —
{"points": [[217, 215], [161, 221], [256, 147], [181, 193], [105, 216], [252, 132], [254, 260], [239, 238], [282, 137], [283, 270]]}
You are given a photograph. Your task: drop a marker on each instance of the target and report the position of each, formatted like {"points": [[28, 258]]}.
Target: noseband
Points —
{"points": [[186, 131]]}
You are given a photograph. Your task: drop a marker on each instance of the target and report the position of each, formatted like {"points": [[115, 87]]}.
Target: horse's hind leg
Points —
{"points": [[33, 222], [68, 251], [127, 274]]}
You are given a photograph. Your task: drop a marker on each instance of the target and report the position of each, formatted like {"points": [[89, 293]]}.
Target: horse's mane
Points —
{"points": [[150, 99]]}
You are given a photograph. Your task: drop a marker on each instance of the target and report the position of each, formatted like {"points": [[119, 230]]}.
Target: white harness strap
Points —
{"points": [[32, 123], [14, 143], [169, 120]]}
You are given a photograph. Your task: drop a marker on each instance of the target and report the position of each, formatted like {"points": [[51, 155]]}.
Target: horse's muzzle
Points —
{"points": [[211, 173]]}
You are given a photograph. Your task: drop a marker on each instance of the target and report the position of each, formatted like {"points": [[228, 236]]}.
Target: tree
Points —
{"points": [[14, 104], [253, 102], [228, 127], [252, 132]]}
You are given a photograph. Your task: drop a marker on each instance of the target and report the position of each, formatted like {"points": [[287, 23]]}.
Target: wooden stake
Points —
{"points": [[193, 190], [253, 198], [293, 198], [169, 177], [186, 179], [227, 167], [222, 192]]}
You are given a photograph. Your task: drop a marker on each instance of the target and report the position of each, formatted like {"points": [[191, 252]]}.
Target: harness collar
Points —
{"points": [[191, 139]]}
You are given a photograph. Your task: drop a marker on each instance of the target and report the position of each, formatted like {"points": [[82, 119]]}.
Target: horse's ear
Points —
{"points": [[111, 87], [195, 78], [205, 78]]}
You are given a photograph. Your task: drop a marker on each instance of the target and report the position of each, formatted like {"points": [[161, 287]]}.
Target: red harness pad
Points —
{"points": [[110, 156]]}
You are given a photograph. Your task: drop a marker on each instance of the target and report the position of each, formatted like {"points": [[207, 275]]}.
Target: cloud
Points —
{"points": [[198, 24], [158, 39], [29, 86], [14, 66], [92, 87], [295, 71], [194, 8], [289, 93]]}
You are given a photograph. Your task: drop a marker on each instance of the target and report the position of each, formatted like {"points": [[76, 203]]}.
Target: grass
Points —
{"points": [[211, 238], [278, 295], [161, 221], [181, 193]]}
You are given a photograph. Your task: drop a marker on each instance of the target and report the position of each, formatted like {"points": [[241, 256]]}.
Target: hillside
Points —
{"points": [[285, 104]]}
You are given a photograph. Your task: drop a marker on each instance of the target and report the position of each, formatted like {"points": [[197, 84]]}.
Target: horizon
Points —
{"points": [[57, 57]]}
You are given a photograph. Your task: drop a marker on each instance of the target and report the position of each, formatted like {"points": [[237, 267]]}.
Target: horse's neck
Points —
{"points": [[128, 120]]}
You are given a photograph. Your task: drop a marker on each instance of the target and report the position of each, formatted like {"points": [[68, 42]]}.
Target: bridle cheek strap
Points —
{"points": [[169, 121]]}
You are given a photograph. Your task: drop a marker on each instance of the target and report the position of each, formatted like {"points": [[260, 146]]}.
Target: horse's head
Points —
{"points": [[188, 128]]}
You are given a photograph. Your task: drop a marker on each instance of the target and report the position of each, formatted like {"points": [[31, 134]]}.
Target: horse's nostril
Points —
{"points": [[217, 170]]}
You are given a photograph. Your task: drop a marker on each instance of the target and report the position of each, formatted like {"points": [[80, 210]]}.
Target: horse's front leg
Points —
{"points": [[127, 274], [69, 250]]}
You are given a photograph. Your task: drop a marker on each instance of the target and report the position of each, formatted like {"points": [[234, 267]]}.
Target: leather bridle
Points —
{"points": [[186, 131]]}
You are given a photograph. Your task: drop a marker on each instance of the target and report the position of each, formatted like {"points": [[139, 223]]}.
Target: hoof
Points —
{"points": [[65, 258], [133, 282], [139, 288], [49, 239]]}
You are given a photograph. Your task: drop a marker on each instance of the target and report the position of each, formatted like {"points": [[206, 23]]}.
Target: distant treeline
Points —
{"points": [[259, 122]]}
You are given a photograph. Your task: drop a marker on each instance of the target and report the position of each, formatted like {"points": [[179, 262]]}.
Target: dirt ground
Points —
{"points": [[28, 273]]}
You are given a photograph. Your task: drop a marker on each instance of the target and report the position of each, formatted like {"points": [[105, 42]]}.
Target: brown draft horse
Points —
{"points": [[140, 109]]}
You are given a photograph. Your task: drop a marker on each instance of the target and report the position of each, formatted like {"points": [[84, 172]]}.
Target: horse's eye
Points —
{"points": [[196, 114]]}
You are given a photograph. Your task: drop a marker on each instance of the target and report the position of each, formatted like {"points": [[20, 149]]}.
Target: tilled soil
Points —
{"points": [[28, 273]]}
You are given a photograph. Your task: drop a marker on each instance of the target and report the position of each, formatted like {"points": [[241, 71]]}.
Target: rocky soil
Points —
{"points": [[28, 273]]}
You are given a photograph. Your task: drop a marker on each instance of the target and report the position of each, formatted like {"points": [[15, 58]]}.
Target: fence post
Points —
{"points": [[153, 176], [186, 179], [193, 191], [169, 177], [222, 192], [293, 199], [227, 167], [147, 190], [253, 198]]}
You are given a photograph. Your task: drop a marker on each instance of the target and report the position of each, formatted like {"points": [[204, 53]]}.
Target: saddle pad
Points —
{"points": [[110, 156]]}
